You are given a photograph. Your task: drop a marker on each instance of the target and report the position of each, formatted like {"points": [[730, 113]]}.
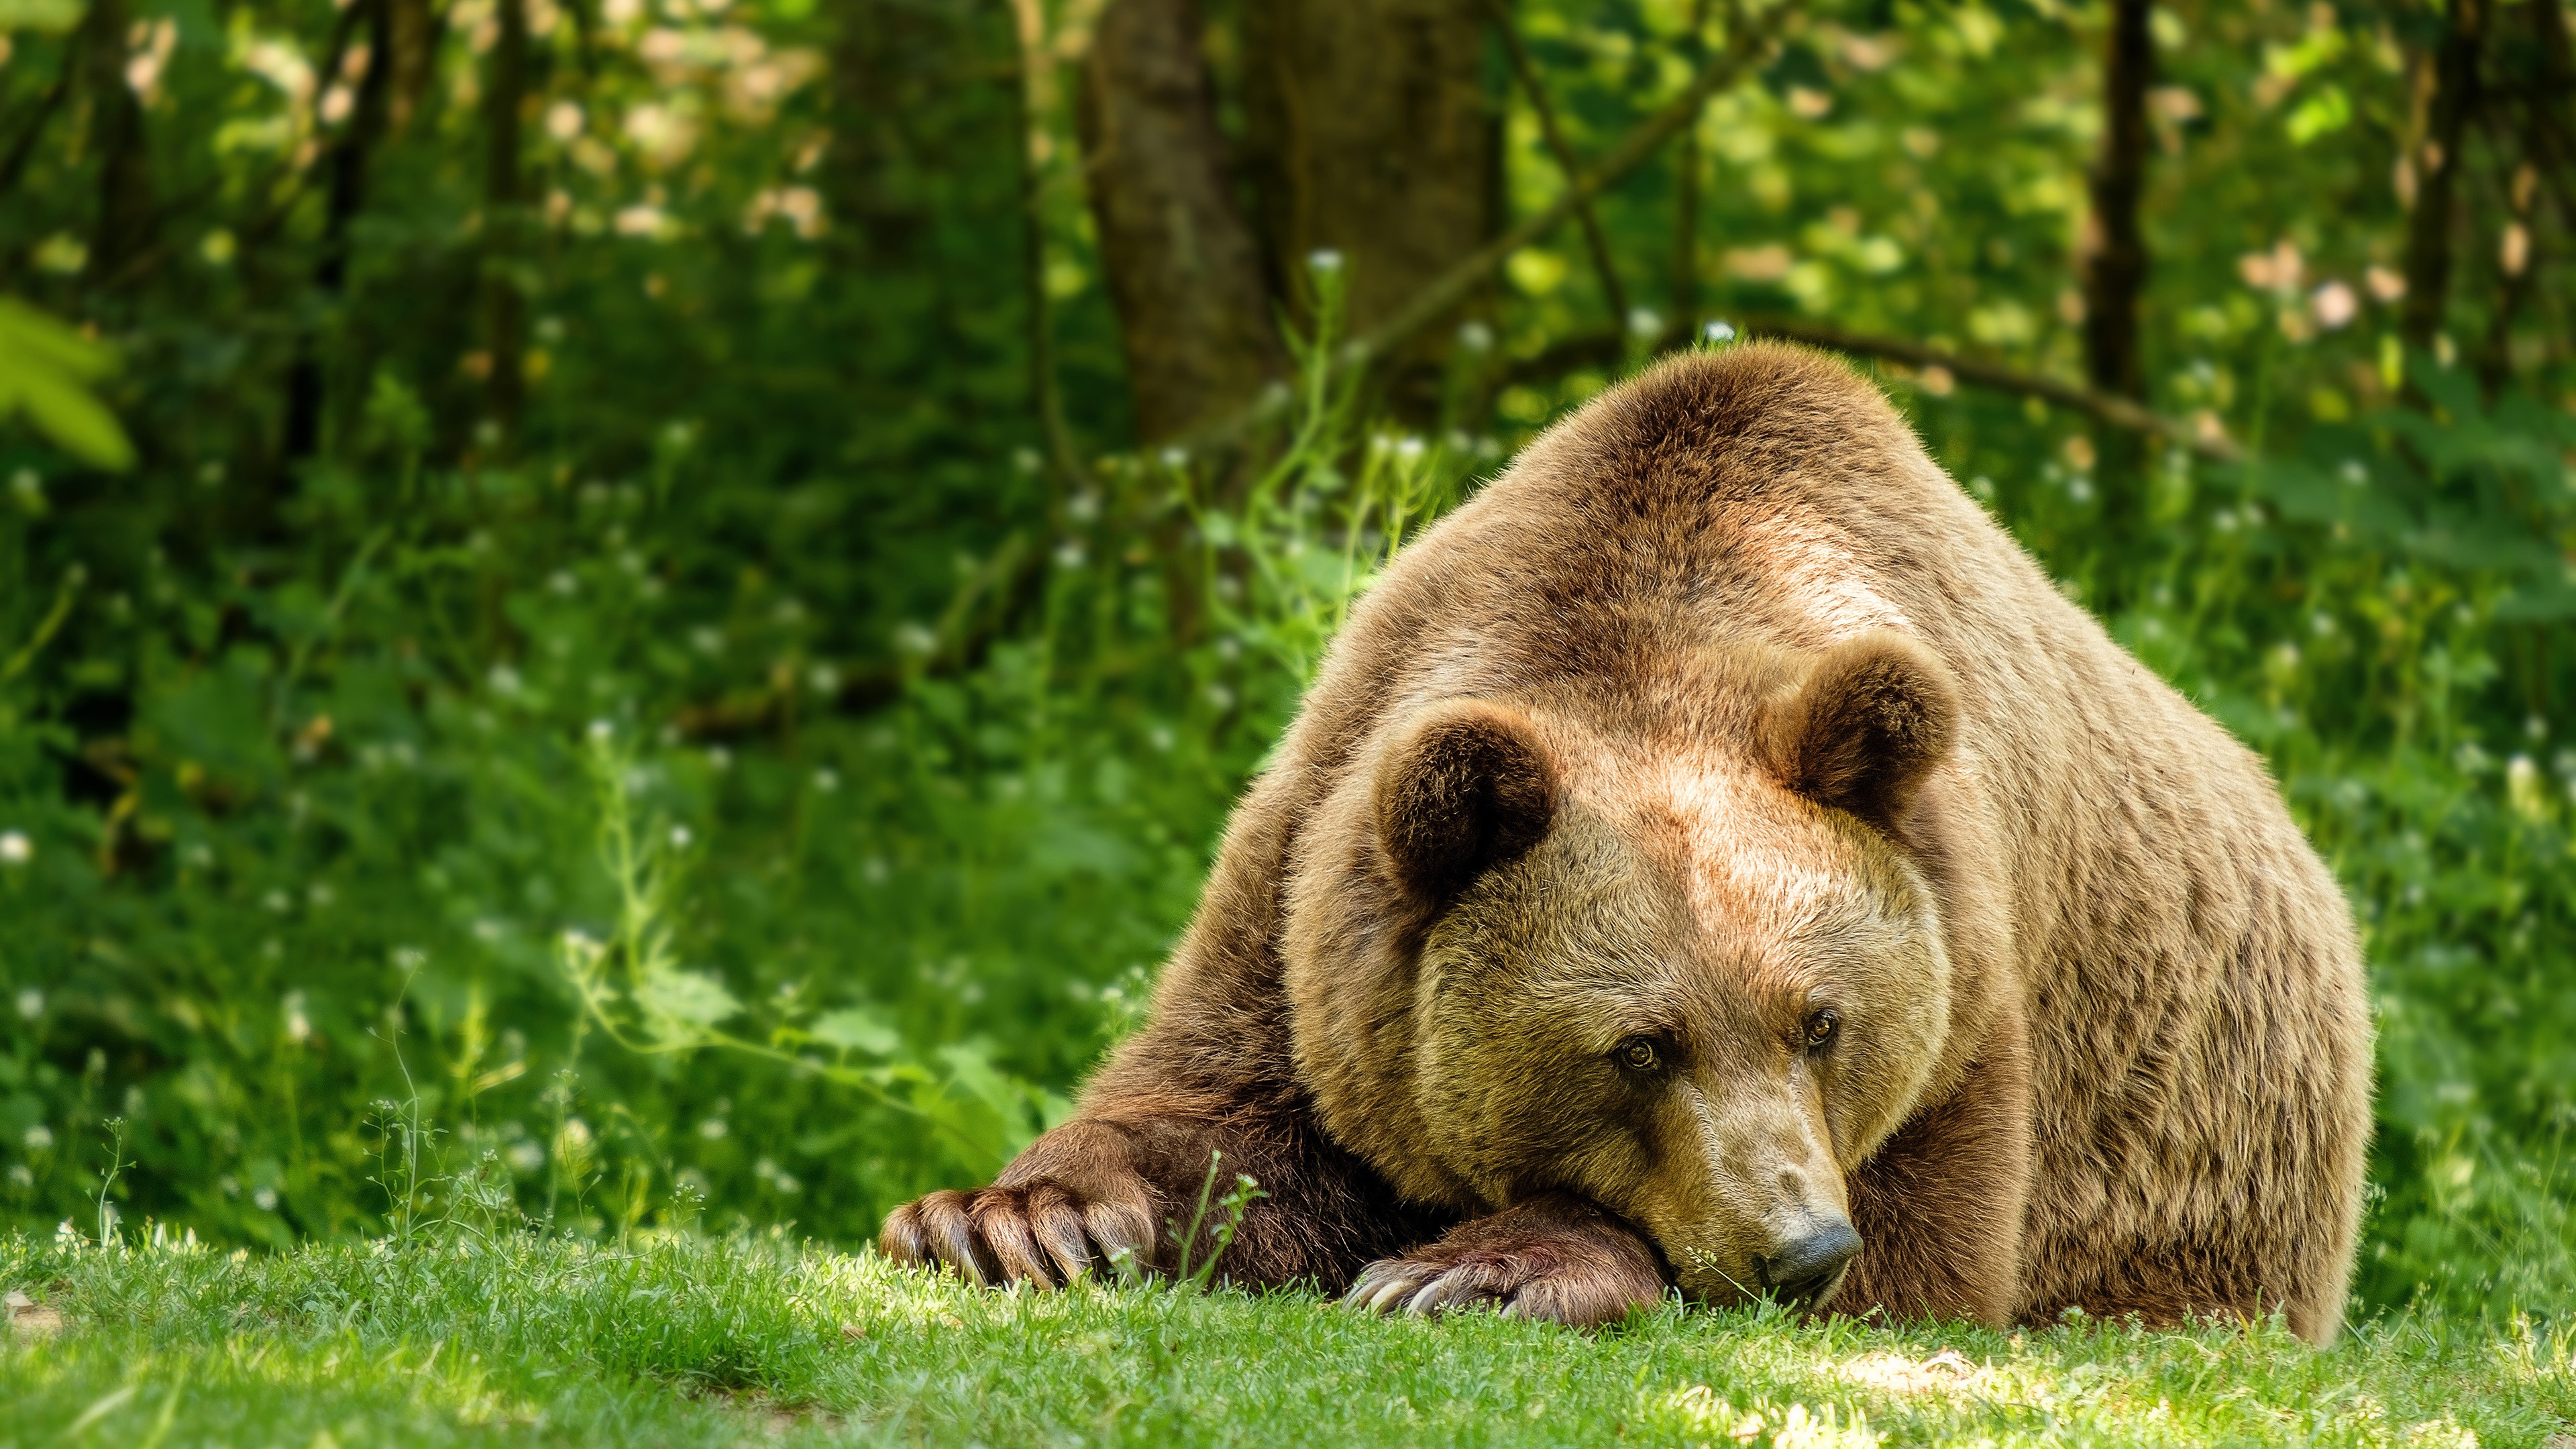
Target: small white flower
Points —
{"points": [[1643, 322], [266, 1197], [525, 1156], [39, 1137], [600, 730], [1324, 260], [1719, 332], [2334, 305], [713, 1128], [1475, 336], [680, 837], [31, 1003], [827, 781], [15, 847]]}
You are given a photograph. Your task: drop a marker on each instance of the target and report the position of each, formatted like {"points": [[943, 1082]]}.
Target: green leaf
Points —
{"points": [[52, 16], [46, 369], [684, 998], [2322, 114], [855, 1030]]}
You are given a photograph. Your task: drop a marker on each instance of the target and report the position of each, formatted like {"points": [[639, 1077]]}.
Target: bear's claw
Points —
{"points": [[1558, 1260], [1040, 1233], [1578, 1293]]}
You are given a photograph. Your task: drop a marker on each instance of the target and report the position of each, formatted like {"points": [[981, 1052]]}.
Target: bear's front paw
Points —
{"points": [[1558, 1260], [1042, 1232]]}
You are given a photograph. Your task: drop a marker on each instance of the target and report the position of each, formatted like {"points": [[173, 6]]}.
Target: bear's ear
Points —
{"points": [[1465, 786], [1874, 715]]}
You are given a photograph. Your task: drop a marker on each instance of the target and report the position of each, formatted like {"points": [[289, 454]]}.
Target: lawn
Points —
{"points": [[692, 1341]]}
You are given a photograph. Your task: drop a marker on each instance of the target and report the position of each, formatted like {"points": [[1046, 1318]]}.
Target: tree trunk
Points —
{"points": [[879, 84], [2113, 266], [1046, 396], [2115, 260], [348, 159], [125, 203], [504, 224], [411, 45], [1183, 267], [2436, 162], [1371, 134]]}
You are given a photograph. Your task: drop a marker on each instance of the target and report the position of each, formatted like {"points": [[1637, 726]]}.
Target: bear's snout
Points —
{"points": [[1805, 1270]]}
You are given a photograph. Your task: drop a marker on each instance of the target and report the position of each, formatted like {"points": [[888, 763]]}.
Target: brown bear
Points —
{"points": [[1716, 857]]}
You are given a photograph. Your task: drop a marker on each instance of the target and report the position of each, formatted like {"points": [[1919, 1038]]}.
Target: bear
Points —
{"points": [[1717, 859]]}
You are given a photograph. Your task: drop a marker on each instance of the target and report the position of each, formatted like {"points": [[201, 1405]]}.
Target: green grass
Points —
{"points": [[689, 1341]]}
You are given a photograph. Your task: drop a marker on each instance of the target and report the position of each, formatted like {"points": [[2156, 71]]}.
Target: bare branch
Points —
{"points": [[2118, 411], [1535, 87], [1605, 348], [1748, 44]]}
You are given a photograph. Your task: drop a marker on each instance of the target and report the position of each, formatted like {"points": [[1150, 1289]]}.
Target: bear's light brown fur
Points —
{"points": [[1716, 830]]}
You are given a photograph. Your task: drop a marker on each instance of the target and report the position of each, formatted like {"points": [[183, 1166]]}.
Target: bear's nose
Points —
{"points": [[1805, 1270]]}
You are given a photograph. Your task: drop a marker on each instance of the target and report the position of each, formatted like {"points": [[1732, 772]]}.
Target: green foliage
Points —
{"points": [[685, 1341], [749, 786], [45, 372]]}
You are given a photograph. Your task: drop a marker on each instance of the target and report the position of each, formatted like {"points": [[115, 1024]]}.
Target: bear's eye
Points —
{"points": [[1638, 1054], [1821, 1028]]}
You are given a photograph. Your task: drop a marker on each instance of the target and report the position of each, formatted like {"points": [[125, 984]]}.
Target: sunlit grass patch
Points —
{"points": [[688, 1341]]}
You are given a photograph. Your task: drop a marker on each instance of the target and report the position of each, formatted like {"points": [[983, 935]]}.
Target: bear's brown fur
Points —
{"points": [[1715, 837]]}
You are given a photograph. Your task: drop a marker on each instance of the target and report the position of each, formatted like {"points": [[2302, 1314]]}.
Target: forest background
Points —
{"points": [[644, 613]]}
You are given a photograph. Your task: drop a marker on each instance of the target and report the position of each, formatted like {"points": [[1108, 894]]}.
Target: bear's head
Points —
{"points": [[1668, 950]]}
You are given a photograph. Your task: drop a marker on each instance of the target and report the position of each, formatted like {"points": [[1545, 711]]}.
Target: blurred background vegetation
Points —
{"points": [[684, 585]]}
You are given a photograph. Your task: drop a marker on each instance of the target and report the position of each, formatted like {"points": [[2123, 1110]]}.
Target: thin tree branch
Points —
{"points": [[1686, 169], [2118, 411], [1535, 87], [1606, 348], [24, 149]]}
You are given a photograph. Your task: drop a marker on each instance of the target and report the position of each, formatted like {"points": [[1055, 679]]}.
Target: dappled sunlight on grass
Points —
{"points": [[686, 1340]]}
